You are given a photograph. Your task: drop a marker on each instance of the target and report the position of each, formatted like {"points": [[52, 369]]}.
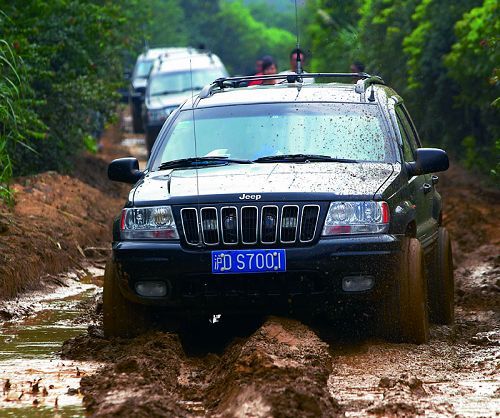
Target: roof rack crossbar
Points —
{"points": [[235, 82]]}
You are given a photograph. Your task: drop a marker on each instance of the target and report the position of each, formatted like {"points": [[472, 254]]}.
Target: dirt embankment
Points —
{"points": [[470, 212], [58, 221]]}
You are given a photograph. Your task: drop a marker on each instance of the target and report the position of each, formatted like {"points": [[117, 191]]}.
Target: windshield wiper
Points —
{"points": [[302, 158], [200, 162]]}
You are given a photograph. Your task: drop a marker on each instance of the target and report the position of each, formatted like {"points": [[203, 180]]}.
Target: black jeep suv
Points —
{"points": [[281, 198]]}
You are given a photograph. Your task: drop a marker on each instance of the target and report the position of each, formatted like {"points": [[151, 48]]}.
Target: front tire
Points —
{"points": [[441, 282], [405, 313], [121, 318]]}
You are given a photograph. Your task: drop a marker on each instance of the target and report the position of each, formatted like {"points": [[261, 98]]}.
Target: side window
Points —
{"points": [[406, 128], [408, 119], [406, 135]]}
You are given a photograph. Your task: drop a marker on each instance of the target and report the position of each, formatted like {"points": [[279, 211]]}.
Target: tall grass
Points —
{"points": [[17, 119]]}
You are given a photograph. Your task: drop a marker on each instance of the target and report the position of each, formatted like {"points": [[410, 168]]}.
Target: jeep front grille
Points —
{"points": [[250, 225]]}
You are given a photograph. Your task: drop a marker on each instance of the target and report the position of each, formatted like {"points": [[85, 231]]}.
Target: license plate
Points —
{"points": [[248, 261]]}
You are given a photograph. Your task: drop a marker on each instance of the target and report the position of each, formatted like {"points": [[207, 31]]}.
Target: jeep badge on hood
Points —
{"points": [[250, 197]]}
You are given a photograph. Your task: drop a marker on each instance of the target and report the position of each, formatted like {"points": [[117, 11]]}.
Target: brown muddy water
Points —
{"points": [[35, 381]]}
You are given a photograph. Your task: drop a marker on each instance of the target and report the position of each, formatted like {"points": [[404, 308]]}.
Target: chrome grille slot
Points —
{"points": [[189, 217], [269, 224], [308, 223], [209, 226], [249, 215], [229, 225], [289, 223], [250, 225]]}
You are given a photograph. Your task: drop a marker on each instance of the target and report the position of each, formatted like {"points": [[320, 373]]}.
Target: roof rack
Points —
{"points": [[364, 83], [243, 81]]}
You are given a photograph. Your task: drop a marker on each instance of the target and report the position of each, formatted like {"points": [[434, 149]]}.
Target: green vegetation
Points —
{"points": [[67, 55], [229, 29], [61, 63], [442, 56]]}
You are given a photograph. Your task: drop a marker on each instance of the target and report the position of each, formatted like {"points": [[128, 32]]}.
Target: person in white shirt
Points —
{"points": [[296, 52]]}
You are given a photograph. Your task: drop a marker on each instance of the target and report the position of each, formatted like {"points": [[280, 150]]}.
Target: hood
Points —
{"points": [[169, 100], [139, 82], [271, 181]]}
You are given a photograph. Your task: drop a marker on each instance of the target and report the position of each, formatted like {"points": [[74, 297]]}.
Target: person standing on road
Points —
{"points": [[357, 67], [268, 67], [294, 58], [258, 67]]}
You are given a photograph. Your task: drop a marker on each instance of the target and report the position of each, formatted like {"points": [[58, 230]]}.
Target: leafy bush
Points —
{"points": [[442, 56], [72, 52]]}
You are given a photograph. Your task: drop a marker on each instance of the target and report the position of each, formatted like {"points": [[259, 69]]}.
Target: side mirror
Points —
{"points": [[127, 75], [125, 170], [428, 160]]}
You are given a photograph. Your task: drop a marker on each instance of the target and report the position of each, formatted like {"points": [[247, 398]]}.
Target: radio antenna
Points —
{"points": [[297, 49], [195, 149]]}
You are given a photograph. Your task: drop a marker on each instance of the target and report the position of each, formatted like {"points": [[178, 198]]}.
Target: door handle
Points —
{"points": [[426, 188], [435, 179]]}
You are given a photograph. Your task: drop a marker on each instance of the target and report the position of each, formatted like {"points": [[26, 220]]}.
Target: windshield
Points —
{"points": [[142, 69], [167, 83], [339, 130]]}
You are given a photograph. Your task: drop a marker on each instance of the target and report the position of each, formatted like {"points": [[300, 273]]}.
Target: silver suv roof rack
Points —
{"points": [[235, 82]]}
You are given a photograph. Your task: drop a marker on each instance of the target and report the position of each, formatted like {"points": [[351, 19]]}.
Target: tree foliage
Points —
{"points": [[441, 56], [72, 53], [165, 23], [230, 30]]}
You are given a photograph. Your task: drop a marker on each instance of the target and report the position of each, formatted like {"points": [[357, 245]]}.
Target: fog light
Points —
{"points": [[357, 283], [151, 289]]}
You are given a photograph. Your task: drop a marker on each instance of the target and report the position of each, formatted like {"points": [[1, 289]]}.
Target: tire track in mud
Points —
{"points": [[281, 369]]}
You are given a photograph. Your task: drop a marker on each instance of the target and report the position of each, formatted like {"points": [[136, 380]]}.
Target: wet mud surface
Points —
{"points": [[283, 367], [35, 380], [276, 366]]}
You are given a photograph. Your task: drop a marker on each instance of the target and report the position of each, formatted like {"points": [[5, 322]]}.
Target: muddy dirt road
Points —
{"points": [[277, 367]]}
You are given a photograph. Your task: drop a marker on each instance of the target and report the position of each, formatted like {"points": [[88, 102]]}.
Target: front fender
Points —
{"points": [[403, 214]]}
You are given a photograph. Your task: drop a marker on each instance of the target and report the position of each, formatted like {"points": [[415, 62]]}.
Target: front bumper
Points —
{"points": [[313, 278]]}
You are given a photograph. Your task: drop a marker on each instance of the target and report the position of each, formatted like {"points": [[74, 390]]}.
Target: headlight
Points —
{"points": [[160, 114], [148, 223], [356, 218]]}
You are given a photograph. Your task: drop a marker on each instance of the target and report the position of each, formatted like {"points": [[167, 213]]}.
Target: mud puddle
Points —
{"points": [[35, 380]]}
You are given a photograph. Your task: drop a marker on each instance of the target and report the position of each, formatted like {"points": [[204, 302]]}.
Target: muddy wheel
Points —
{"points": [[405, 314], [441, 283], [121, 318]]}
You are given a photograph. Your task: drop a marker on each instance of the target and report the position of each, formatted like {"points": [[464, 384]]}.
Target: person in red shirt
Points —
{"points": [[268, 67]]}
